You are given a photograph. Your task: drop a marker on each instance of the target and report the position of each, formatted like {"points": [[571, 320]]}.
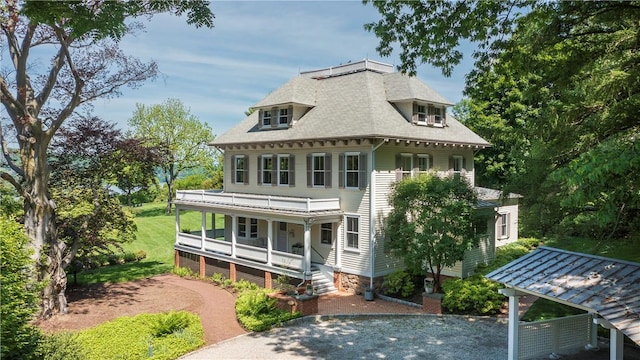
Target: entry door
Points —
{"points": [[281, 237]]}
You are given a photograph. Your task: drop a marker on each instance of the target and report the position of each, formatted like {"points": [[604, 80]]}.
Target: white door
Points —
{"points": [[281, 237]]}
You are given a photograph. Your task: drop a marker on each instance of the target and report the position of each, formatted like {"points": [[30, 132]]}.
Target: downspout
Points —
{"points": [[372, 212]]}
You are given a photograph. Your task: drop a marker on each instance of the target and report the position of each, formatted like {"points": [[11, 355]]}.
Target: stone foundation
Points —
{"points": [[357, 284]]}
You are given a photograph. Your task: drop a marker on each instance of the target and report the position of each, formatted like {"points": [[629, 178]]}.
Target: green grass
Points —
{"points": [[156, 235]]}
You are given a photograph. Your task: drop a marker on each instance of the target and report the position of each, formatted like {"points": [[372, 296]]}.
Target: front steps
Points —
{"points": [[322, 281]]}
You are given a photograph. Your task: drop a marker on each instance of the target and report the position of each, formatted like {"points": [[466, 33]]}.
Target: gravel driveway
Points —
{"points": [[433, 337]]}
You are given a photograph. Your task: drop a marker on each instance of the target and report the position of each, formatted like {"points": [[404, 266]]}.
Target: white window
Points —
{"points": [[438, 119], [352, 169], [503, 225], [326, 233], [266, 169], [283, 169], [352, 232], [424, 163], [318, 169], [406, 165], [240, 172], [253, 229], [421, 113], [457, 164], [266, 118], [242, 227], [283, 117]]}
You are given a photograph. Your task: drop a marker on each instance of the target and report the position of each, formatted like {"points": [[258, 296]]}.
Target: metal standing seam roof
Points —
{"points": [[608, 287]]}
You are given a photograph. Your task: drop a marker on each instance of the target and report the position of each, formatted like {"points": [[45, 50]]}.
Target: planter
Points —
{"points": [[369, 294], [305, 304]]}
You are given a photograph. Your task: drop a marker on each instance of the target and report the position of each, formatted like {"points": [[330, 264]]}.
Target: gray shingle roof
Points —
{"points": [[348, 106], [403, 88], [607, 286]]}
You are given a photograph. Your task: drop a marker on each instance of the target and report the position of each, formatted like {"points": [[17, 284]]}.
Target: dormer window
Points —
{"points": [[266, 118], [283, 117], [428, 115]]}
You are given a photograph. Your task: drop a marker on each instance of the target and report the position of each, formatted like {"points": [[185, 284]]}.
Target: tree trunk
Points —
{"points": [[169, 197], [40, 226]]}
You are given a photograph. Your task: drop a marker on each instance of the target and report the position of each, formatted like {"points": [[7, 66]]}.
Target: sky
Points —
{"points": [[254, 48]]}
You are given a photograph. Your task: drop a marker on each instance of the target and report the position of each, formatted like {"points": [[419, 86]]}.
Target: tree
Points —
{"points": [[431, 224], [136, 164], [19, 292], [86, 64], [185, 139], [86, 157], [561, 81]]}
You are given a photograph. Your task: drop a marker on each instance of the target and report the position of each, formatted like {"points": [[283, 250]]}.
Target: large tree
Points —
{"points": [[170, 125], [431, 223], [85, 63], [556, 89]]}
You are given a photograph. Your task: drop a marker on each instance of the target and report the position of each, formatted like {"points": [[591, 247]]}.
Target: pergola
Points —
{"points": [[609, 289]]}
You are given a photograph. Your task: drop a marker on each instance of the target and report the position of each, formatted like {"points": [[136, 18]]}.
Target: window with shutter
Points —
{"points": [[266, 170], [284, 174], [503, 225], [239, 169]]}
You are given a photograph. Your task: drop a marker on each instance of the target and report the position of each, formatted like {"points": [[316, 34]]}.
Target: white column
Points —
{"points": [[269, 241], [339, 244], [234, 227], [514, 306], [177, 226], [203, 228], [593, 342], [616, 345], [307, 250]]}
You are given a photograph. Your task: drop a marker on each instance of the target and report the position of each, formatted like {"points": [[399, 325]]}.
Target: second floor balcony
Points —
{"points": [[270, 202]]}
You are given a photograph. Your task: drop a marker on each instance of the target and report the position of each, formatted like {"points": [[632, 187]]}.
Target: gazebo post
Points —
{"points": [[514, 319], [616, 345]]}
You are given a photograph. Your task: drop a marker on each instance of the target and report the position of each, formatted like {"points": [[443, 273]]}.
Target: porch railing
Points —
{"points": [[544, 337], [262, 201]]}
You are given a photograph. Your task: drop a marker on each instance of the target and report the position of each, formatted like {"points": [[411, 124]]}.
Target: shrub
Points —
{"points": [[132, 338], [244, 285], [217, 278], [474, 295], [61, 346], [130, 257], [140, 254], [182, 271], [398, 282], [168, 323], [507, 253], [257, 312], [226, 283], [19, 292]]}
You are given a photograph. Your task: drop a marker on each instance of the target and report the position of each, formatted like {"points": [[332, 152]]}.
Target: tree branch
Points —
{"points": [[10, 179], [5, 152]]}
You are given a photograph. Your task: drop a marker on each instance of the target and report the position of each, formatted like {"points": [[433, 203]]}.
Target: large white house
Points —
{"points": [[308, 174]]}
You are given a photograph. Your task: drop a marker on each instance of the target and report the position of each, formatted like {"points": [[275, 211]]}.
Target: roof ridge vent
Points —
{"points": [[348, 68]]}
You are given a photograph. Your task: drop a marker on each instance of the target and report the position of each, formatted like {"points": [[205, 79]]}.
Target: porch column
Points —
{"points": [[213, 225], [269, 241], [593, 342], [616, 337], [234, 226], [177, 226], [307, 249], [514, 307], [203, 230]]}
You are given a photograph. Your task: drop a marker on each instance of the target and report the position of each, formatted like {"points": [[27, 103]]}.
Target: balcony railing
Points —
{"points": [[259, 201]]}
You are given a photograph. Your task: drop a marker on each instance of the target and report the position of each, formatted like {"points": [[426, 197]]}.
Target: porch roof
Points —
{"points": [[608, 287]]}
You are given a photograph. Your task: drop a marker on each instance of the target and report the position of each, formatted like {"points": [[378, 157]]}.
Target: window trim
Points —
{"points": [[429, 165], [347, 155], [263, 117], [285, 116], [323, 229], [314, 171], [244, 159], [403, 172], [263, 158], [458, 160], [288, 170], [357, 233], [503, 224]]}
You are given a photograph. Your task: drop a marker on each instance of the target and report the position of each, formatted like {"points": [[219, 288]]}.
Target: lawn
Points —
{"points": [[156, 235]]}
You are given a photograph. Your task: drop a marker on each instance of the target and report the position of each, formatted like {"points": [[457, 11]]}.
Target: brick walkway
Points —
{"points": [[344, 303]]}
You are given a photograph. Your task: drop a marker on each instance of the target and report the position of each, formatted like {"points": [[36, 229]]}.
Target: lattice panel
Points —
{"points": [[553, 336]]}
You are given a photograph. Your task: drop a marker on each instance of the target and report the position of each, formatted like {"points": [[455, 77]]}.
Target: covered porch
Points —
{"points": [[281, 235]]}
